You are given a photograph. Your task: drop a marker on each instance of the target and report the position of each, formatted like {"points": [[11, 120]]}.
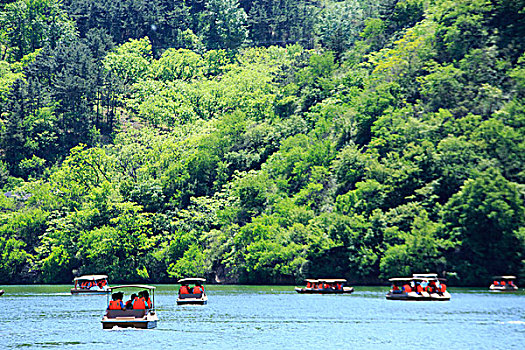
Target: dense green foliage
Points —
{"points": [[262, 141]]}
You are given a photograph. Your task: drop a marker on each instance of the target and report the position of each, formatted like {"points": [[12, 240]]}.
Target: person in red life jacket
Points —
{"points": [[198, 289], [395, 288], [419, 289], [443, 288], [339, 286], [129, 303], [147, 300], [431, 287], [184, 289], [308, 285], [139, 302], [503, 283], [496, 283], [116, 302], [407, 289], [511, 283]]}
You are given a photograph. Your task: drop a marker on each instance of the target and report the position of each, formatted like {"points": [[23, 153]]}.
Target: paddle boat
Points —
{"points": [[423, 287], [325, 286], [503, 284], [131, 318], [192, 298], [91, 284]]}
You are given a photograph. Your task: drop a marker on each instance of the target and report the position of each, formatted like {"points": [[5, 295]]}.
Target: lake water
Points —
{"points": [[267, 317]]}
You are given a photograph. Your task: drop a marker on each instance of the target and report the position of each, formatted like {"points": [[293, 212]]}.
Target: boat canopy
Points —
{"points": [[400, 279], [140, 286], [90, 278], [327, 280], [192, 280], [505, 277], [424, 275], [418, 278]]}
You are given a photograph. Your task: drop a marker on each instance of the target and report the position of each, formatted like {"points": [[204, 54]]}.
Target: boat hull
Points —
{"points": [[418, 297], [346, 290], [494, 288], [129, 324], [203, 300], [130, 319]]}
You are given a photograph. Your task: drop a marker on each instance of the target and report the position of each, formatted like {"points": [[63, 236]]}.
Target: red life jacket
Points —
{"points": [[443, 287], [503, 283], [496, 283], [184, 290], [115, 305], [407, 288], [395, 287], [148, 303], [419, 289], [139, 303], [308, 285], [197, 290]]}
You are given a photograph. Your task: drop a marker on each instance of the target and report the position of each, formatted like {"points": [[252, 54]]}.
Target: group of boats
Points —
{"points": [[424, 287]]}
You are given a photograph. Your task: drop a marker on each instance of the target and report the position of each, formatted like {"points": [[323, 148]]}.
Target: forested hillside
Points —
{"points": [[261, 141]]}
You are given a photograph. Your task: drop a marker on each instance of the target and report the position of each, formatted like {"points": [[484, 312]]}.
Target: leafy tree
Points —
{"points": [[27, 25], [225, 24], [485, 217]]}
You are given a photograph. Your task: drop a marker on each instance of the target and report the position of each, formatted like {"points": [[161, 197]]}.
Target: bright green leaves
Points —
{"points": [[178, 65], [131, 61], [13, 258], [486, 216]]}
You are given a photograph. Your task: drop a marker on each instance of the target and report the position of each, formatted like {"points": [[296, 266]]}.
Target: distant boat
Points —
{"points": [[422, 287], [91, 284], [325, 286], [503, 284], [193, 298], [133, 318]]}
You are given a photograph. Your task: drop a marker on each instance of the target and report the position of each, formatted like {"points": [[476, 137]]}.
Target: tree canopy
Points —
{"points": [[261, 141]]}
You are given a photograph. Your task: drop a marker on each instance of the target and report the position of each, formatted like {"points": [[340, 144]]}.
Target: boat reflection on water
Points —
{"points": [[423, 287]]}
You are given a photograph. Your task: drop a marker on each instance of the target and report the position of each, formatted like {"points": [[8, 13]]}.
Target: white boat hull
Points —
{"points": [[413, 296], [143, 319]]}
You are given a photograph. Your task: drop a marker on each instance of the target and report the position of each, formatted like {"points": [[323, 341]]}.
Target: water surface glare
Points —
{"points": [[267, 317]]}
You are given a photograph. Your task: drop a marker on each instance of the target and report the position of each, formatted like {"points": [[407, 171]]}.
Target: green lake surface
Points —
{"points": [[267, 317]]}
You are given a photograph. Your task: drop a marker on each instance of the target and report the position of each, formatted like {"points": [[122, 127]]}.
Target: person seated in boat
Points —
{"points": [[147, 300], [184, 289], [139, 303], [503, 283], [308, 285], [198, 289], [129, 303], [395, 288], [496, 283], [511, 283], [442, 288], [407, 288], [430, 288], [116, 301], [419, 288], [339, 286]]}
